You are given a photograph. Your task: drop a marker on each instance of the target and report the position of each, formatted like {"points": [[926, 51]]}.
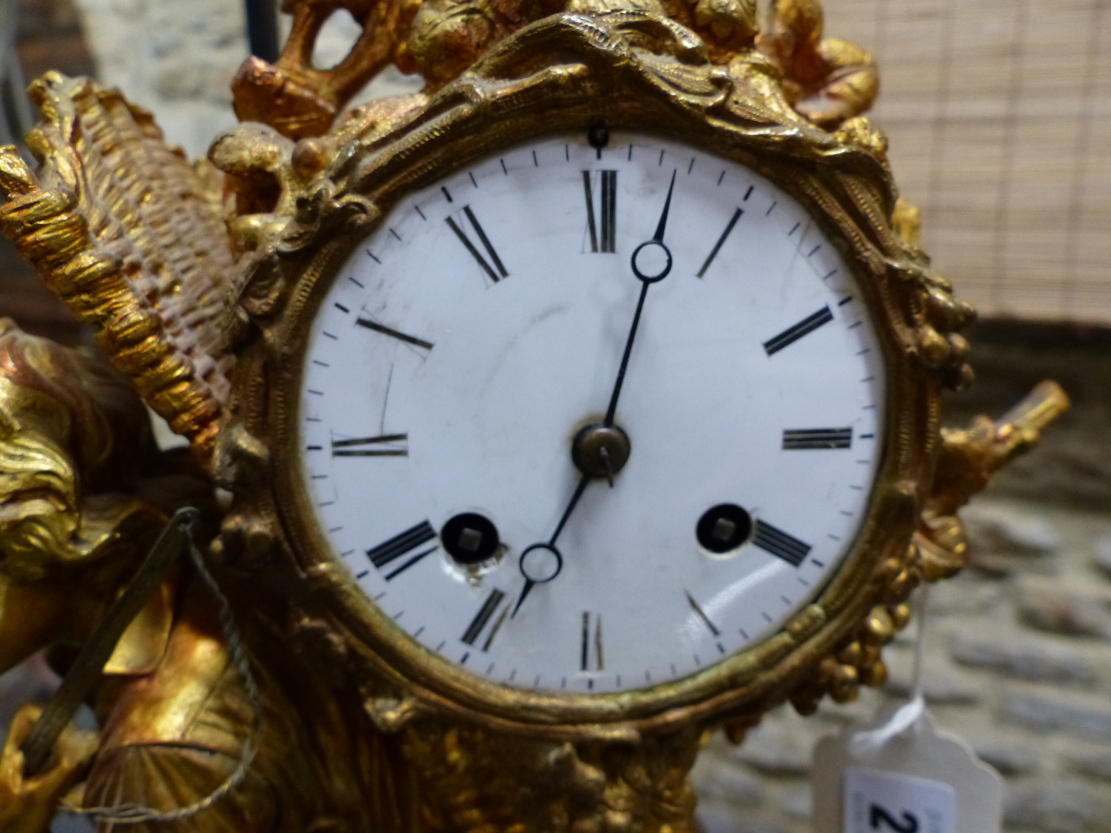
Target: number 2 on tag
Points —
{"points": [[881, 820], [886, 802]]}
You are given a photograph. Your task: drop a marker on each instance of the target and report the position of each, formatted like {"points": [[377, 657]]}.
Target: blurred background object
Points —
{"points": [[999, 117], [36, 36], [263, 35], [15, 109]]}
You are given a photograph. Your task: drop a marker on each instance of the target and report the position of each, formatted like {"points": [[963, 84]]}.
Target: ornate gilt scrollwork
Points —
{"points": [[119, 224], [582, 66], [826, 80]]}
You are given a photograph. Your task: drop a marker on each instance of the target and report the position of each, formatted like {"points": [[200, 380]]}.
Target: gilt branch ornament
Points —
{"points": [[208, 288]]}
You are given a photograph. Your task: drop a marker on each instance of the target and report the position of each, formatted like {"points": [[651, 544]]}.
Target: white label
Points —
{"points": [[885, 802], [899, 774]]}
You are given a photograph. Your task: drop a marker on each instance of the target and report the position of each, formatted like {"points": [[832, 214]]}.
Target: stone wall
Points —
{"points": [[1017, 663], [1018, 657]]}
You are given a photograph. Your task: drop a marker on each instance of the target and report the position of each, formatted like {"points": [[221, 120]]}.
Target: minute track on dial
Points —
{"points": [[510, 369]]}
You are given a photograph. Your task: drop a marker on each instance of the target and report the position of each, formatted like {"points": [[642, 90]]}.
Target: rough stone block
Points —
{"points": [[1010, 757], [1018, 655], [965, 594], [1057, 806], [1053, 607], [725, 781], [996, 526], [796, 803], [716, 818], [1091, 761], [778, 748], [1087, 716], [1101, 548], [942, 686]]}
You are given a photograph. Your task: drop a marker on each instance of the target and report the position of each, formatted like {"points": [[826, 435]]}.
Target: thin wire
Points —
{"points": [[135, 814], [907, 717], [917, 680]]}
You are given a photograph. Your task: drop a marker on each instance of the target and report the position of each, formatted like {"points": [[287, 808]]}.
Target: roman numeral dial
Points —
{"points": [[810, 439], [591, 655], [487, 259], [601, 209], [387, 445], [800, 330], [393, 333], [493, 613], [449, 415], [403, 544], [780, 544]]}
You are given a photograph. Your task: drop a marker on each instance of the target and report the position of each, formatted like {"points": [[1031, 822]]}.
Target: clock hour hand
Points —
{"points": [[651, 263], [542, 562]]}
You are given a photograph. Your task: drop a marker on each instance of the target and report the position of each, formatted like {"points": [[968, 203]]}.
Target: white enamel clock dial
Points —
{"points": [[461, 356]]}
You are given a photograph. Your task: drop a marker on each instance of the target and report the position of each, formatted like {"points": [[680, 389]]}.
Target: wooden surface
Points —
{"points": [[999, 114]]}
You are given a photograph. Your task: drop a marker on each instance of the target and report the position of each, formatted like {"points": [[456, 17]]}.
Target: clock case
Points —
{"points": [[626, 71]]}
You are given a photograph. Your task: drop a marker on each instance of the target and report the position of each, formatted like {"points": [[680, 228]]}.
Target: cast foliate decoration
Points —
{"points": [[826, 80], [629, 68], [131, 237]]}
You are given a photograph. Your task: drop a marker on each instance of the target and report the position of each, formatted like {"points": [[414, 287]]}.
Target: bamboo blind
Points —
{"points": [[999, 115]]}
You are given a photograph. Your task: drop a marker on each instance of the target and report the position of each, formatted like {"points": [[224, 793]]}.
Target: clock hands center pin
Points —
{"points": [[601, 450]]}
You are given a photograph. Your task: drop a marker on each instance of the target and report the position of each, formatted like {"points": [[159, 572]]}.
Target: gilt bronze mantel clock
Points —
{"points": [[540, 422]]}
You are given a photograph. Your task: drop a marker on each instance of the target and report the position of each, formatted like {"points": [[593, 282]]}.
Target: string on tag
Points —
{"points": [[907, 717], [237, 655]]}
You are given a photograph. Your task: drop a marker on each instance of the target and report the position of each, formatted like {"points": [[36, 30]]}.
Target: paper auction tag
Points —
{"points": [[878, 800], [899, 774]]}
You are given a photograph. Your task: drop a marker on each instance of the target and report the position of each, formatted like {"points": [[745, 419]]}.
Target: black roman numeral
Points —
{"points": [[388, 445], [483, 617], [803, 328], [808, 439], [721, 241], [780, 544], [403, 544], [486, 244], [606, 241], [592, 658], [392, 333]]}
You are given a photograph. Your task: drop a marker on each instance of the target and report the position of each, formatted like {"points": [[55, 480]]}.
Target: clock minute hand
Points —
{"points": [[662, 225], [648, 270], [583, 483]]}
